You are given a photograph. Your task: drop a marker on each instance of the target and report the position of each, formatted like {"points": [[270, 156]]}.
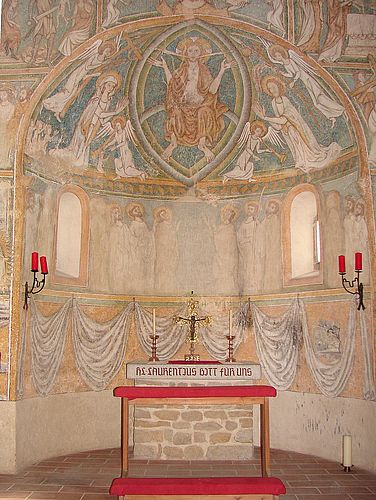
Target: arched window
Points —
{"points": [[71, 237], [302, 237]]}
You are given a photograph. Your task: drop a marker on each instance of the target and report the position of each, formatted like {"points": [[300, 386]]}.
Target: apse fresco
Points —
{"points": [[194, 142], [205, 128], [191, 103]]}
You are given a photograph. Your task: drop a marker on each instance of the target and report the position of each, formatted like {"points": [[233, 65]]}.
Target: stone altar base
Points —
{"points": [[193, 433]]}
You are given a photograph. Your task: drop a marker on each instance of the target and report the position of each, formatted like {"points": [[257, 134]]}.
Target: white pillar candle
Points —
{"points": [[154, 322], [230, 322], [347, 459]]}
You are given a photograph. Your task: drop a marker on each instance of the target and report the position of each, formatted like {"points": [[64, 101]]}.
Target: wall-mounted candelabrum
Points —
{"points": [[38, 284], [355, 287]]}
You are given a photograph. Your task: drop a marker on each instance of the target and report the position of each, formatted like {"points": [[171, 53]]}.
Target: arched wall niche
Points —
{"points": [[300, 247], [71, 238]]}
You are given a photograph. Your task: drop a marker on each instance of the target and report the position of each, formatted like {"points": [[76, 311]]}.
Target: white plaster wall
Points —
{"points": [[35, 429], [7, 437], [315, 424], [40, 428]]}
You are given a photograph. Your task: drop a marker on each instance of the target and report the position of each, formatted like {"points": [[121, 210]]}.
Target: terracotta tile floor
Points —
{"points": [[87, 476]]}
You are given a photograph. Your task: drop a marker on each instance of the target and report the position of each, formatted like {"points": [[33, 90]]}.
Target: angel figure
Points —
{"points": [[296, 68], [121, 134], [94, 117], [308, 154], [253, 136], [93, 58]]}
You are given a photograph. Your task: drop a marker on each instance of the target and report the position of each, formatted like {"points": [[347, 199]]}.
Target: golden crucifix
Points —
{"points": [[194, 322]]}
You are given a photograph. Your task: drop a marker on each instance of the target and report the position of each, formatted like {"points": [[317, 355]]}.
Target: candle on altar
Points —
{"points": [[230, 322], [34, 261], [43, 265], [358, 261], [347, 458], [154, 329], [341, 264]]}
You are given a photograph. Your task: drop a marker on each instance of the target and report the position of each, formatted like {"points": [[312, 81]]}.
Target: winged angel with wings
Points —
{"points": [[296, 68], [254, 135], [94, 58], [97, 121], [120, 133]]}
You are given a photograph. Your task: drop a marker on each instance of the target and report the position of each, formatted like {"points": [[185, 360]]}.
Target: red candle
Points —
{"points": [[341, 264], [43, 265], [358, 261], [34, 261]]}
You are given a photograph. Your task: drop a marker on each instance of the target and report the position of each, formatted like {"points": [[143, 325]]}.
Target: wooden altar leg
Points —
{"points": [[265, 438], [124, 436]]}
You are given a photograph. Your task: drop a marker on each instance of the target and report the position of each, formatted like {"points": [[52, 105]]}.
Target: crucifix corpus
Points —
{"points": [[193, 321]]}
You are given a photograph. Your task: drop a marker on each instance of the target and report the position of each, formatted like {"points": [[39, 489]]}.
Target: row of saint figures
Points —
{"points": [[168, 248]]}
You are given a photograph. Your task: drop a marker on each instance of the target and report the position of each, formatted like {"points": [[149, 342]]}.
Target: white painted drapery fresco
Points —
{"points": [[100, 347]]}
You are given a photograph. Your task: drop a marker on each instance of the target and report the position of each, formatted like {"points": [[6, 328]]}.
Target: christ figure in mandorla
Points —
{"points": [[194, 111]]}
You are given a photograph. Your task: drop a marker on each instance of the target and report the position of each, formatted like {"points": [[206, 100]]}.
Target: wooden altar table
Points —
{"points": [[136, 488]]}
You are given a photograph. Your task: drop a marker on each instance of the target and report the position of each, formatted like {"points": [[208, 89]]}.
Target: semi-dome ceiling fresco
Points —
{"points": [[186, 100]]}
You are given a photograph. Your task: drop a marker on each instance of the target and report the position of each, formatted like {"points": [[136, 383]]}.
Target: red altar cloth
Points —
{"points": [[250, 391]]}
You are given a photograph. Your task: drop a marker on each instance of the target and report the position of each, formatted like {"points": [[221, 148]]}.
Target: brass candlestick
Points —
{"points": [[154, 339], [230, 358]]}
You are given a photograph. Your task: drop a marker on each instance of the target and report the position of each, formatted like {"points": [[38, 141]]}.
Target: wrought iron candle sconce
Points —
{"points": [[37, 285], [355, 287]]}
